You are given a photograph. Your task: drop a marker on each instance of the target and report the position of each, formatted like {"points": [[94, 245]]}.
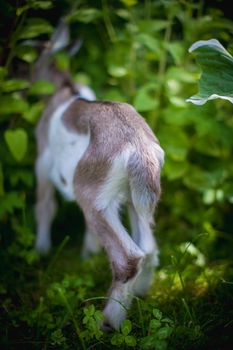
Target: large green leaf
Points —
{"points": [[85, 15], [14, 85], [42, 87], [26, 53], [10, 104], [35, 27], [17, 141], [44, 5], [217, 72]]}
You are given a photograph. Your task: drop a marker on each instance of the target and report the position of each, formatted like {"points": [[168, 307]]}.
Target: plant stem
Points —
{"points": [[107, 21], [148, 8], [188, 310], [162, 69], [56, 255], [78, 332], [140, 315], [14, 40]]}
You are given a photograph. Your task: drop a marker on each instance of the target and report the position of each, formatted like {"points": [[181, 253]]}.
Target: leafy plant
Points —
{"points": [[124, 337], [159, 332], [217, 76], [92, 321], [58, 338], [136, 52]]}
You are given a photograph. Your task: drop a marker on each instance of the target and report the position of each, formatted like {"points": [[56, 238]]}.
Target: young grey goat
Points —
{"points": [[101, 155]]}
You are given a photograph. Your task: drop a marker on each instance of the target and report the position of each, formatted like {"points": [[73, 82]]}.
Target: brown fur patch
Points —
{"points": [[125, 273], [74, 117]]}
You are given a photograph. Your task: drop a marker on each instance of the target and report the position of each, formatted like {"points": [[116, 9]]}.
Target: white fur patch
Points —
{"points": [[86, 92], [119, 302], [115, 187], [159, 153], [65, 149]]}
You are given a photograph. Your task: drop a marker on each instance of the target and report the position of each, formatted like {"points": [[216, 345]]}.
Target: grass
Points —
{"points": [[56, 302]]}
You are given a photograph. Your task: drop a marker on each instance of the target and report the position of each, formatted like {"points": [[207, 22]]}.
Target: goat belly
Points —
{"points": [[66, 148]]}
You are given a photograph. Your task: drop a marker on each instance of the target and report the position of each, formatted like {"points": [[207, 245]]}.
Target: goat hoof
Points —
{"points": [[43, 248], [106, 327]]}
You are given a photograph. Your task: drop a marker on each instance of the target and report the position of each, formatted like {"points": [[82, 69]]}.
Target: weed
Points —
{"points": [[123, 337], [159, 331], [91, 322]]}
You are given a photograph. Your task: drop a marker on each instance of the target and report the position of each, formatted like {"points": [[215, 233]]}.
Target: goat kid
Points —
{"points": [[101, 155]]}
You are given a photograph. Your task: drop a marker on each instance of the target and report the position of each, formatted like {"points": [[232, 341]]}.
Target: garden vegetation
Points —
{"points": [[137, 52]]}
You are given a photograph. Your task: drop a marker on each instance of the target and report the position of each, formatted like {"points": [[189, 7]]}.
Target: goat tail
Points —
{"points": [[144, 167]]}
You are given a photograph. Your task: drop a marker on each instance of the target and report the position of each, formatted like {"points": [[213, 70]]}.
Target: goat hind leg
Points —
{"points": [[45, 205], [125, 258], [141, 222]]}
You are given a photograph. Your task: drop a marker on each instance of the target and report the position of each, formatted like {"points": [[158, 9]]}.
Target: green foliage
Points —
{"points": [[34, 27], [160, 329], [92, 321], [17, 142], [124, 337], [58, 338], [217, 67], [136, 52], [85, 15]]}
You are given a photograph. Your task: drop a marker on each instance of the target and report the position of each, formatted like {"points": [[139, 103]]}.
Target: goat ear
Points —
{"points": [[60, 38], [74, 48]]}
